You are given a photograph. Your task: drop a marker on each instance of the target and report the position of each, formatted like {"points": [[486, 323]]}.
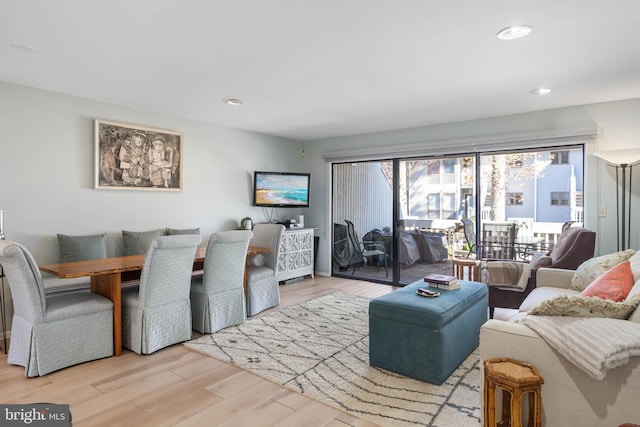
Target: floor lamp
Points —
{"points": [[622, 160]]}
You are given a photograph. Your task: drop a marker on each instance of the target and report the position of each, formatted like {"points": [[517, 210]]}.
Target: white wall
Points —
{"points": [[46, 169], [618, 127], [46, 173]]}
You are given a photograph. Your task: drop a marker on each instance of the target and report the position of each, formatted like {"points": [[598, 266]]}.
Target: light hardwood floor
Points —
{"points": [[177, 386]]}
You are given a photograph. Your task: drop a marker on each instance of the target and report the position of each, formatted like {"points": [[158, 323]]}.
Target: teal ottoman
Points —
{"points": [[426, 338]]}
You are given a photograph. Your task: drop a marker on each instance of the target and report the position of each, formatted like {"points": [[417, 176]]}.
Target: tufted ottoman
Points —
{"points": [[426, 338]]}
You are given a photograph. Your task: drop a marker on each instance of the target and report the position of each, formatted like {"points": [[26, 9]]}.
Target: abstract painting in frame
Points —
{"points": [[133, 157]]}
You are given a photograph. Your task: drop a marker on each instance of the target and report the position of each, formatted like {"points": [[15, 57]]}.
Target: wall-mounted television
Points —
{"points": [[281, 189]]}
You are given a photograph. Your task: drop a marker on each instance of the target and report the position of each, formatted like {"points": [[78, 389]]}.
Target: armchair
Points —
{"points": [[574, 246]]}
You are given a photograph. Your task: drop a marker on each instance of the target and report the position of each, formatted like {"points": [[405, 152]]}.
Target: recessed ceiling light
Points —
{"points": [[24, 47], [540, 91], [514, 33], [232, 101]]}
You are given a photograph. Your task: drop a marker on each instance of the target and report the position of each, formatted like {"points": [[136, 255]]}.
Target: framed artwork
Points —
{"points": [[132, 157]]}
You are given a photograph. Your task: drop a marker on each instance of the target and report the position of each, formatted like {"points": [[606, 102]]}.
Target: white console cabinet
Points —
{"points": [[295, 258]]}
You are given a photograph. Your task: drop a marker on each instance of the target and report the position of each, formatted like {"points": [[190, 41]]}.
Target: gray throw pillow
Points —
{"points": [[137, 242], [82, 248], [174, 231]]}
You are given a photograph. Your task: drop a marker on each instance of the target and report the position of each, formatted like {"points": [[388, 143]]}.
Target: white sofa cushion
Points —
{"points": [[538, 295]]}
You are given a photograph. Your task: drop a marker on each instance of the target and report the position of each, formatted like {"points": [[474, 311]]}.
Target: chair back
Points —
{"points": [[25, 281], [355, 244], [168, 264], [575, 245], [469, 232], [268, 236], [225, 259], [498, 240]]}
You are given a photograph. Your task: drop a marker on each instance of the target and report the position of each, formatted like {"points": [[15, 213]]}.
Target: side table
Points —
{"points": [[514, 378]]}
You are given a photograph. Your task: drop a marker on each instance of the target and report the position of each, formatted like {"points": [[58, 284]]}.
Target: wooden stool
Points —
{"points": [[468, 267], [514, 378]]}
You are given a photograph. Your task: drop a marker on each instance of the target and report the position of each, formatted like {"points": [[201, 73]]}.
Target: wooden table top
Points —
{"points": [[99, 267]]}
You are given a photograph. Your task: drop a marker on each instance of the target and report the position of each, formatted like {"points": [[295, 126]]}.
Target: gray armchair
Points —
{"points": [[52, 332], [217, 297], [262, 286], [157, 313]]}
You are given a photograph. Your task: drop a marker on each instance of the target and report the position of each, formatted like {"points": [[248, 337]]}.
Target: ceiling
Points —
{"points": [[310, 69]]}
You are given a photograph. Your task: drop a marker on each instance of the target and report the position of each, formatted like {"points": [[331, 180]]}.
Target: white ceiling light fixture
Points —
{"points": [[26, 48], [540, 91], [513, 33], [232, 101]]}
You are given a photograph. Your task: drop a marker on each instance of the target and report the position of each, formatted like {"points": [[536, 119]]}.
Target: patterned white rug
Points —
{"points": [[321, 348]]}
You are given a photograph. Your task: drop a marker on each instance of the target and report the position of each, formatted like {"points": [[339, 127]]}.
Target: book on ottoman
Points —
{"points": [[442, 281]]}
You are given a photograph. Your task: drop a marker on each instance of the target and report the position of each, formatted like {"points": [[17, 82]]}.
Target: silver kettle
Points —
{"points": [[246, 223]]}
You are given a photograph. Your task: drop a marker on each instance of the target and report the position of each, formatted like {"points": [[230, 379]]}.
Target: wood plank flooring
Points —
{"points": [[177, 386]]}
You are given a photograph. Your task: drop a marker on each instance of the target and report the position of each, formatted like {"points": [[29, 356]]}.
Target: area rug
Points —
{"points": [[321, 349]]}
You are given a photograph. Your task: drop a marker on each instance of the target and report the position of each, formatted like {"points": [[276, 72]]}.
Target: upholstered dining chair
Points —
{"points": [[52, 332], [575, 245], [157, 312], [217, 296], [262, 285]]}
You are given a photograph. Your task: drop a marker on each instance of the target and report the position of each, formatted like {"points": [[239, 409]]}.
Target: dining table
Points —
{"points": [[108, 275]]}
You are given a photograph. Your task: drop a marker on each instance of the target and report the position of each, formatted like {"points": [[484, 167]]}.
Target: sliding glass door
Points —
{"points": [[362, 212], [435, 194], [526, 199], [395, 221]]}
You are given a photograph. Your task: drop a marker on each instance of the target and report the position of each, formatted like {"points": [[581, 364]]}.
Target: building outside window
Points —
{"points": [[434, 206], [560, 198], [559, 157], [448, 205], [514, 199]]}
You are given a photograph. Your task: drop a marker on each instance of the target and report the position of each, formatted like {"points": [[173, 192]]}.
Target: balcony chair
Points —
{"points": [[262, 285], [498, 240], [364, 251], [469, 234], [157, 312], [52, 332], [217, 296], [574, 246]]}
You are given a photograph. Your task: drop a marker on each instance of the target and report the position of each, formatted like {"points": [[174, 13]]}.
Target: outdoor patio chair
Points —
{"points": [[498, 240], [365, 251], [469, 235]]}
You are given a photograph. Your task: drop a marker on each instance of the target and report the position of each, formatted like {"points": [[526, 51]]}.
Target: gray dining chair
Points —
{"points": [[217, 296], [49, 333], [262, 285], [157, 312]]}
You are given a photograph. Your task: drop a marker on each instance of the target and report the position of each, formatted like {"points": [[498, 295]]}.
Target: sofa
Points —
{"points": [[570, 395]]}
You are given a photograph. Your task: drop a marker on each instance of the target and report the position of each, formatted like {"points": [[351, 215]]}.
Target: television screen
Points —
{"points": [[281, 189]]}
